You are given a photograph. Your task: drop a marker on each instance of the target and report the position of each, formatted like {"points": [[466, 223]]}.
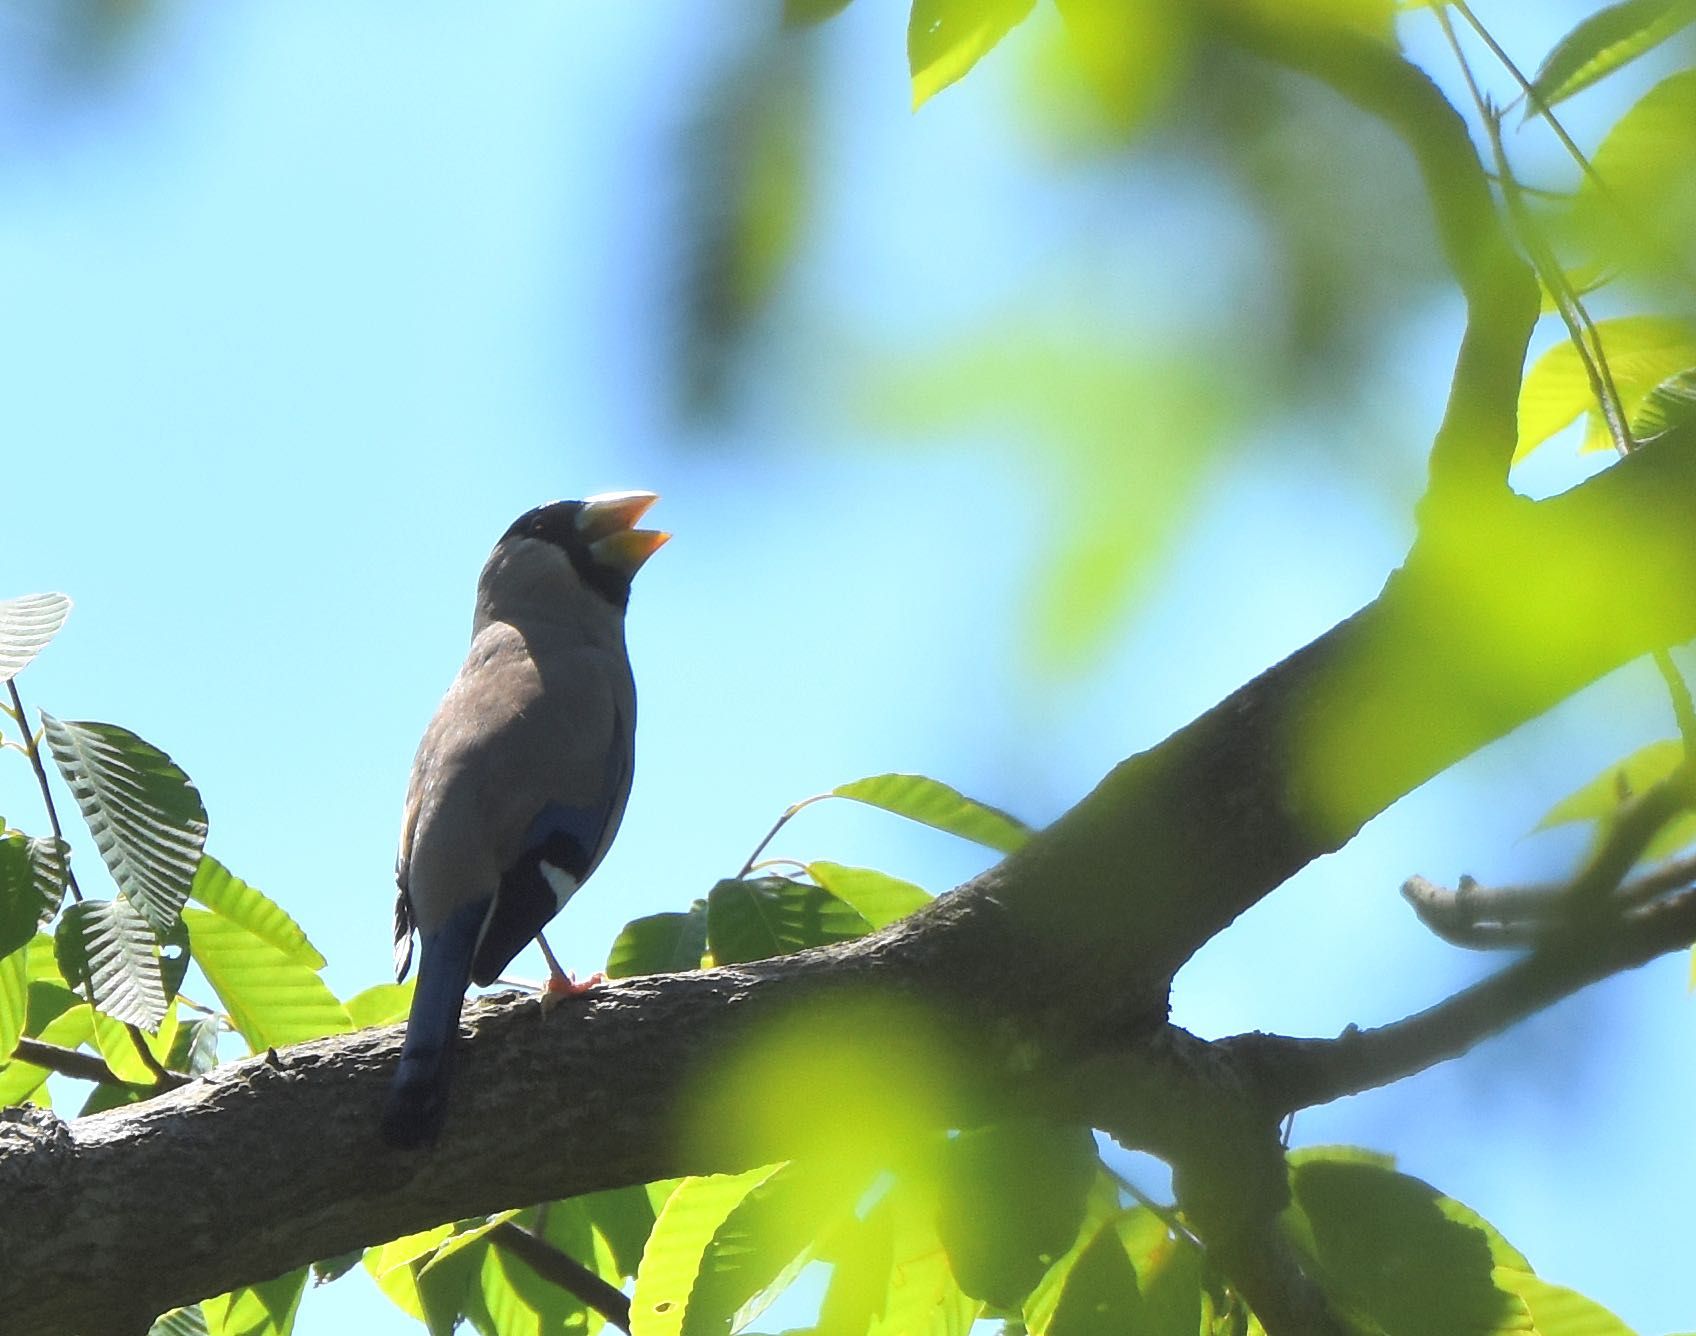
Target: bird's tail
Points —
{"points": [[418, 1096]]}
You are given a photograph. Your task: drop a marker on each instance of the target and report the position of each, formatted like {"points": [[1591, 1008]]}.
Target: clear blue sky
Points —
{"points": [[304, 303]]}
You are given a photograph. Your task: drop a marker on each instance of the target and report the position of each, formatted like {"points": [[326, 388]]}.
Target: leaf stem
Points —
{"points": [[778, 825], [32, 748]]}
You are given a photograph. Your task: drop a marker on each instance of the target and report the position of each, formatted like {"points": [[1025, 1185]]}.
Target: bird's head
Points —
{"points": [[565, 547]]}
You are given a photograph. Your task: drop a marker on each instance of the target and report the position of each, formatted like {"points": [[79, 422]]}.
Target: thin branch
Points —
{"points": [[33, 749], [776, 826], [66, 1061], [567, 1272]]}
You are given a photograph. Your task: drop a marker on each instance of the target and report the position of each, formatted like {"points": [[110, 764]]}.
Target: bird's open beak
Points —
{"points": [[606, 521]]}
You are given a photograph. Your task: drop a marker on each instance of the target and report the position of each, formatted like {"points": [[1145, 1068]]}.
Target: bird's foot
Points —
{"points": [[564, 984]]}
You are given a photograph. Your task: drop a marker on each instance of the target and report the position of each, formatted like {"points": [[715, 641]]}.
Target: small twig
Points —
{"points": [[1167, 1216], [33, 749], [778, 825], [66, 1061], [163, 1076], [565, 1271]]}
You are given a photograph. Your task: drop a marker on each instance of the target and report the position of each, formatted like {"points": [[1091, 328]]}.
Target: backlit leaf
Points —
{"points": [[1602, 43], [877, 897], [1643, 353], [934, 803], [257, 1310], [228, 896], [672, 1261], [146, 818], [660, 944], [26, 625], [108, 944], [772, 916], [945, 38], [14, 999], [1600, 800], [1558, 1311], [380, 1004], [1642, 218], [272, 999]]}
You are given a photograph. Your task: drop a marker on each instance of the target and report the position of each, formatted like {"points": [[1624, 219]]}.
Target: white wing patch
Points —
{"points": [[560, 882]]}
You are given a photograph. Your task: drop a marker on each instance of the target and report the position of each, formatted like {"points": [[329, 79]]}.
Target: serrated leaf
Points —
{"points": [[228, 896], [945, 38], [1642, 353], [257, 1310], [933, 803], [14, 1000], [118, 1046], [188, 1321], [660, 944], [146, 817], [26, 625], [1557, 1311], [877, 897], [272, 1000], [108, 944], [1602, 43], [672, 1260], [1670, 405], [380, 1004], [32, 884], [773, 916], [624, 1217], [195, 1049]]}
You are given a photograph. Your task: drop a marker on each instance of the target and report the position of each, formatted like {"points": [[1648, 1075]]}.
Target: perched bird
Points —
{"points": [[521, 778]]}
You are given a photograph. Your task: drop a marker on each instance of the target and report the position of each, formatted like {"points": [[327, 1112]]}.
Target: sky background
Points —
{"points": [[303, 304]]}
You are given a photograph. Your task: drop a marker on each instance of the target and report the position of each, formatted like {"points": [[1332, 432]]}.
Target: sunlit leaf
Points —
{"points": [[660, 944], [228, 896], [32, 883], [1557, 1311], [188, 1321], [463, 1238], [380, 1004], [445, 1290], [272, 1000], [877, 897], [934, 803], [624, 1217], [672, 1261], [1642, 218], [1101, 1210], [1012, 1200], [1670, 405], [146, 818], [334, 1268], [108, 944], [14, 999], [1601, 799], [945, 38], [564, 1226], [1602, 43], [798, 12], [118, 1046], [1643, 353], [257, 1310], [26, 625], [54, 1017], [921, 1297], [772, 916]]}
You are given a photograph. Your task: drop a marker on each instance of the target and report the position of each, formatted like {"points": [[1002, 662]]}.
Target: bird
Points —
{"points": [[521, 778]]}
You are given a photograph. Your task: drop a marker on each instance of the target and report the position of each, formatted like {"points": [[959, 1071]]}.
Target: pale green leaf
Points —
{"points": [[945, 38], [877, 897], [257, 1310], [228, 896], [464, 1238], [14, 999], [386, 1257], [1602, 43], [380, 1004], [671, 1262], [146, 818], [921, 1297], [108, 944], [118, 1046], [1642, 353], [934, 803], [1638, 210], [1599, 801], [71, 1028], [272, 999], [26, 625], [1557, 1311]]}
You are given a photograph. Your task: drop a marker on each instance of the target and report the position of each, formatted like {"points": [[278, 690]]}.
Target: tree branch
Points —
{"points": [[565, 1271]]}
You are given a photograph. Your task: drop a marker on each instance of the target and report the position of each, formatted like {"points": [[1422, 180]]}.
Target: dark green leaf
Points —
{"points": [[945, 38], [334, 1268], [195, 1049], [772, 916], [624, 1217], [660, 944], [107, 943], [1602, 43], [115, 1095], [32, 883], [1101, 1297], [934, 803], [26, 625], [146, 818], [188, 1321], [443, 1287], [1012, 1199]]}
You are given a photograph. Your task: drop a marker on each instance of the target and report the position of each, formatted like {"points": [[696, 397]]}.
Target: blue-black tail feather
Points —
{"points": [[418, 1096]]}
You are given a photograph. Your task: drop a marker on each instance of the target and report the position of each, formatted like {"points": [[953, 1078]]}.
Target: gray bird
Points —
{"points": [[521, 778]]}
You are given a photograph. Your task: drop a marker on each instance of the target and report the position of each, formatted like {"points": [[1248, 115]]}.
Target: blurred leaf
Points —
{"points": [[1643, 353], [1100, 1295], [272, 1000], [228, 896], [921, 1297], [1132, 54], [945, 38], [773, 916], [257, 1310], [146, 818], [1600, 800], [1012, 1199], [1388, 1251], [380, 1004], [799, 12], [933, 803], [1643, 217], [665, 1281], [877, 897], [862, 1256], [660, 944], [624, 1218], [26, 625], [188, 1321], [1557, 1311], [1670, 405], [108, 944], [1101, 1210], [1602, 43], [14, 1000]]}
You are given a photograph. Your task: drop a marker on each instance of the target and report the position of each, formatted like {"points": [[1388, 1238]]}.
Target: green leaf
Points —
{"points": [[1601, 799], [1557, 1311], [272, 999], [69, 1027], [332, 1269], [32, 884], [772, 916], [1011, 1202], [798, 13], [195, 1049], [1602, 43], [921, 1297], [546, 1307], [1101, 1210], [14, 1000], [877, 897], [1670, 405], [118, 1046], [188, 1321], [945, 38], [933, 803], [228, 896], [672, 1261], [146, 818], [660, 944], [380, 1004], [1636, 212], [26, 625], [108, 944], [1643, 353], [257, 1310], [624, 1218], [1100, 1297], [862, 1256], [444, 1290]]}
